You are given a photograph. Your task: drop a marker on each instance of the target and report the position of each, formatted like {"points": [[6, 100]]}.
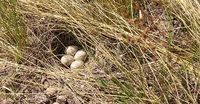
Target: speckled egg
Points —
{"points": [[80, 55], [77, 64], [71, 50], [67, 60]]}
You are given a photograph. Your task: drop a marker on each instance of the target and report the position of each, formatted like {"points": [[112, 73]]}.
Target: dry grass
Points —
{"points": [[140, 51]]}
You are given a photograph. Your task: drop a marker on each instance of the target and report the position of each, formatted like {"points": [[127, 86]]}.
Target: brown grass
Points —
{"points": [[140, 51]]}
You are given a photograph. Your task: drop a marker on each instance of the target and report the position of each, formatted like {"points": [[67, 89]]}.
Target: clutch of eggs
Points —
{"points": [[73, 57]]}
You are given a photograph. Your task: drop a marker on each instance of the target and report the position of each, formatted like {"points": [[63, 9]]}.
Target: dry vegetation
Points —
{"points": [[140, 51]]}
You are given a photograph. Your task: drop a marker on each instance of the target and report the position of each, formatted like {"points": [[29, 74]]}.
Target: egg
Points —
{"points": [[77, 64], [80, 55], [67, 60], [71, 50]]}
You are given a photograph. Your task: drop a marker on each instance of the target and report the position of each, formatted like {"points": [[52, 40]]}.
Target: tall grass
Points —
{"points": [[13, 30], [147, 57]]}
